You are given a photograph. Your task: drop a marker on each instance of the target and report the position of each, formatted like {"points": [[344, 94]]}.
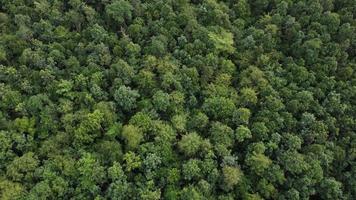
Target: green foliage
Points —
{"points": [[119, 10], [132, 161], [241, 116], [256, 160], [199, 121], [190, 144], [126, 98], [199, 99], [219, 107], [22, 168], [191, 169], [11, 190], [331, 189], [222, 40], [161, 101], [179, 122], [242, 133], [116, 173], [25, 125], [132, 135], [231, 175], [222, 138], [89, 128], [248, 96], [91, 174]]}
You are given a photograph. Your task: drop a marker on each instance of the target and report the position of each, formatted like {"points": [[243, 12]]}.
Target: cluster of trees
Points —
{"points": [[177, 99]]}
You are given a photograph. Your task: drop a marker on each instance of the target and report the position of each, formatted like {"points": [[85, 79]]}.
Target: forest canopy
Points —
{"points": [[177, 99]]}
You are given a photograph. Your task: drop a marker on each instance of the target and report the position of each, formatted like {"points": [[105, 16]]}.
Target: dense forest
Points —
{"points": [[177, 99]]}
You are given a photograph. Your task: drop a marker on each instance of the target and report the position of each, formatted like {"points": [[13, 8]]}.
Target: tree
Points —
{"points": [[242, 9], [161, 101], [40, 190], [90, 128], [146, 80], [256, 159], [108, 151], [258, 162], [120, 11], [132, 135], [219, 107], [190, 193], [158, 46], [221, 136], [191, 169], [266, 189], [190, 144], [119, 190], [132, 161], [293, 162], [11, 190], [231, 176], [241, 116], [248, 97], [25, 126], [119, 186], [242, 133], [198, 121], [23, 168], [259, 129], [179, 122], [124, 71], [143, 121], [116, 173], [253, 77], [151, 162], [222, 40], [331, 188], [126, 98], [91, 173]]}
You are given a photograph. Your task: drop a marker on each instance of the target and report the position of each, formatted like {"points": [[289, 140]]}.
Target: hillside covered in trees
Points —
{"points": [[177, 99]]}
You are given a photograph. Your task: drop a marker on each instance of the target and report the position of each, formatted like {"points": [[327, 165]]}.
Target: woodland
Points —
{"points": [[177, 99]]}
